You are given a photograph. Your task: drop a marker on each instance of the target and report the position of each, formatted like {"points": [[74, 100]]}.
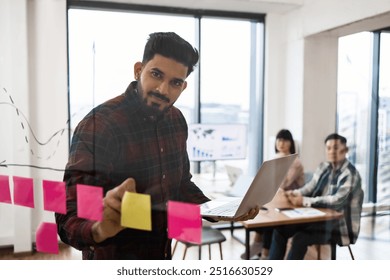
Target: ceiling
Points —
{"points": [[251, 6]]}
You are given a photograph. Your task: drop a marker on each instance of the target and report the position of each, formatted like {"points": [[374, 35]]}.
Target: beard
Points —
{"points": [[152, 108]]}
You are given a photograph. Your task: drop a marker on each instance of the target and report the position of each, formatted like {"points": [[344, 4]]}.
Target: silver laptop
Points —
{"points": [[240, 186], [261, 191]]}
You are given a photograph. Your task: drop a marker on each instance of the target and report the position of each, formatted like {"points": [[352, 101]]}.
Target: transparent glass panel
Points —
{"points": [[103, 47], [383, 190], [225, 77], [354, 97]]}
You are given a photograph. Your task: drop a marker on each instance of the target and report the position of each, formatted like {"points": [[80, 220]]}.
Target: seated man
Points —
{"points": [[332, 186]]}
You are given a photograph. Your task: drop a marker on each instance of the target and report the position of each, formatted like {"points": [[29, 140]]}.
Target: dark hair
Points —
{"points": [[335, 136], [171, 45], [286, 135]]}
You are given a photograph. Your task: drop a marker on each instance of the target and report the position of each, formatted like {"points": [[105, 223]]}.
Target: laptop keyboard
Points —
{"points": [[228, 209]]}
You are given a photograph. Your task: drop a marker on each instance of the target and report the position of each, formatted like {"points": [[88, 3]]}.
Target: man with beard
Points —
{"points": [[134, 142]]}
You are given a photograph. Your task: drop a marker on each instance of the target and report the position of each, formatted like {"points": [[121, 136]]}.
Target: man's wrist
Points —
{"points": [[97, 234]]}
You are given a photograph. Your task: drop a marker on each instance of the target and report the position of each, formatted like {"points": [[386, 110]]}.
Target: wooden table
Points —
{"points": [[272, 218]]}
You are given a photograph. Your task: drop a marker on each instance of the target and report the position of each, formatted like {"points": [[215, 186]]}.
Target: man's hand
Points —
{"points": [[112, 203], [295, 199], [288, 193], [248, 216]]}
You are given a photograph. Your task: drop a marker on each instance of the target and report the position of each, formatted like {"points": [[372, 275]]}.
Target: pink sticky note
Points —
{"points": [[54, 196], [184, 222], [46, 238], [24, 191], [90, 202], [5, 194]]}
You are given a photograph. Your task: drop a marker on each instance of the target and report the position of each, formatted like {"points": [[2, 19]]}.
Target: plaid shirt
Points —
{"points": [[328, 189], [115, 141]]}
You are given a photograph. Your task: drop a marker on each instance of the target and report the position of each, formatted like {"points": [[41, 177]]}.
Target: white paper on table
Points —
{"points": [[303, 212]]}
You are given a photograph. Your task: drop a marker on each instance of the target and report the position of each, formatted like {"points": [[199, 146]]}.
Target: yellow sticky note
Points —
{"points": [[136, 211]]}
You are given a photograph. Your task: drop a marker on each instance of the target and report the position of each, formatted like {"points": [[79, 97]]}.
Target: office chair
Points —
{"points": [[352, 212], [333, 250], [209, 236]]}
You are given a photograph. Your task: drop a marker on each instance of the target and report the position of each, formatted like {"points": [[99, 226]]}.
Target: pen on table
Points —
{"points": [[280, 209]]}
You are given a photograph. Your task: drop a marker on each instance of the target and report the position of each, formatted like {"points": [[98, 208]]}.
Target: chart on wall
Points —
{"points": [[216, 141]]}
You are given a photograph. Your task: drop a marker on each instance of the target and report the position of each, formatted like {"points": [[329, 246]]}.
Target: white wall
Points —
{"points": [[301, 53], [319, 97]]}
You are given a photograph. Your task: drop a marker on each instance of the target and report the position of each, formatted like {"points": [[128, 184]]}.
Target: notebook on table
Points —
{"points": [[261, 191]]}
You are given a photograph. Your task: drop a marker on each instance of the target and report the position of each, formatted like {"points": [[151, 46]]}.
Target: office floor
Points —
{"points": [[373, 244]]}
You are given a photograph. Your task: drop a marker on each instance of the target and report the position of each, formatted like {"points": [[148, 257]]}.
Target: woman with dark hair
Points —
{"points": [[283, 136], [284, 146]]}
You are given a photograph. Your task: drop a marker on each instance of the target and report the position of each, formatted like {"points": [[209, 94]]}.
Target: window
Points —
{"points": [[105, 44], [103, 47], [383, 171], [363, 112], [225, 78]]}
